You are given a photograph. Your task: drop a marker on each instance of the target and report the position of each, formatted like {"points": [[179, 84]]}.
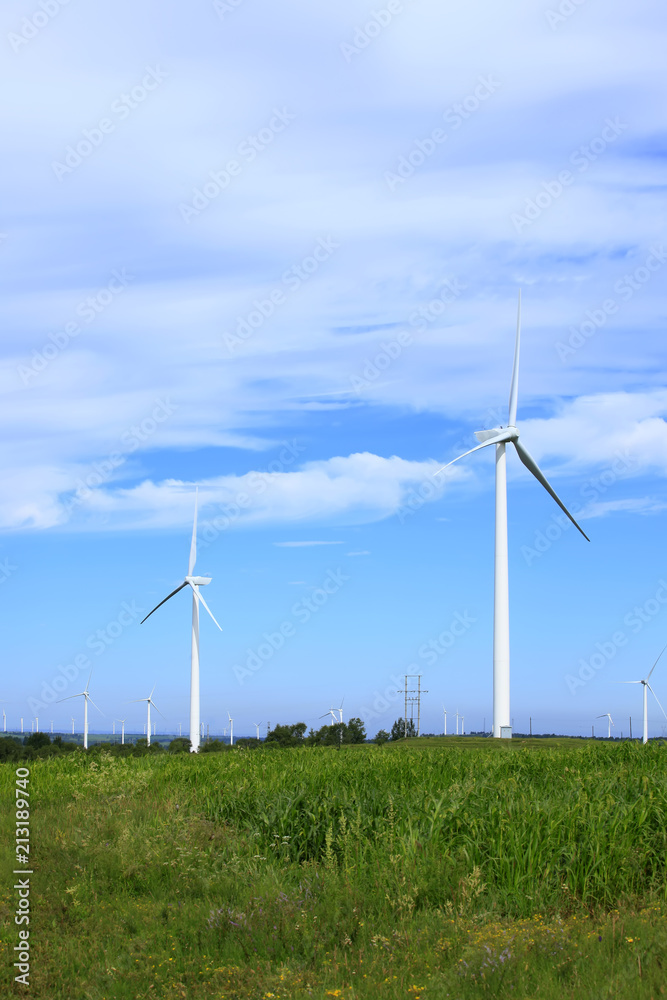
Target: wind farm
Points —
{"points": [[332, 557]]}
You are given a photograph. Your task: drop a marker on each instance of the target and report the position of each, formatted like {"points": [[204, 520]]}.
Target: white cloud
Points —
{"points": [[633, 505]]}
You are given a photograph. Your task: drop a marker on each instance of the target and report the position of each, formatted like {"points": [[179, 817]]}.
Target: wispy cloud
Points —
{"points": [[635, 505]]}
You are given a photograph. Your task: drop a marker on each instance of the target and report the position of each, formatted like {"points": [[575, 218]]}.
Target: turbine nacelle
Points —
{"points": [[198, 581], [498, 435]]}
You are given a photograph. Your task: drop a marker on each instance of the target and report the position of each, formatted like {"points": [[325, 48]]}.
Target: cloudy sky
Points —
{"points": [[275, 251]]}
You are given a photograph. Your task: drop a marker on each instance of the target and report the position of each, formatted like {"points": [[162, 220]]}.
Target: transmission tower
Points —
{"points": [[412, 697]]}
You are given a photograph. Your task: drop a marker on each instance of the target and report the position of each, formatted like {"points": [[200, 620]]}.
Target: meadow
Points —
{"points": [[424, 869]]}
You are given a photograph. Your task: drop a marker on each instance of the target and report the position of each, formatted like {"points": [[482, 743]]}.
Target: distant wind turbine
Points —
{"points": [[231, 730], [194, 582], [149, 701], [332, 713], [86, 697], [610, 723], [4, 721], [257, 725], [445, 713], [500, 437], [647, 688], [122, 731]]}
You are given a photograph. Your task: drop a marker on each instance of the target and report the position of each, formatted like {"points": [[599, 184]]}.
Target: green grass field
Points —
{"points": [[440, 868]]}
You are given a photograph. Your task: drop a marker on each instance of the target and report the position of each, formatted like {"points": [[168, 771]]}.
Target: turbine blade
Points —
{"points": [[193, 543], [163, 602], [533, 467], [98, 709], [134, 701], [656, 662], [657, 699], [70, 696], [158, 710], [496, 439], [514, 388], [200, 598]]}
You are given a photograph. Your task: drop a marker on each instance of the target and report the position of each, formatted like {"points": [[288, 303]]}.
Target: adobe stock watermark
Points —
{"points": [[581, 158], [292, 279], [302, 611], [592, 490], [256, 484], [605, 651], [97, 642], [87, 310], [454, 116], [625, 288], [102, 471], [7, 570], [247, 151], [31, 26], [430, 651], [121, 108], [364, 34], [391, 350], [224, 7], [564, 10]]}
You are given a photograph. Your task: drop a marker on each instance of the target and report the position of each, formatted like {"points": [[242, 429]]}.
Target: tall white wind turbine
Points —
{"points": [[85, 695], [257, 725], [445, 714], [647, 688], [194, 582], [501, 437], [122, 731], [149, 701], [231, 730], [332, 713], [610, 722]]}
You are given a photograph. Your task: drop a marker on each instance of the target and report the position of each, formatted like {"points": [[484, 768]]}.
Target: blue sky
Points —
{"points": [[275, 250]]}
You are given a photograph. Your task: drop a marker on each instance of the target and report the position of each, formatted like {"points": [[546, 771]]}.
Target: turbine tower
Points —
{"points": [[149, 701], [610, 722], [647, 688], [500, 437], [122, 731], [194, 582], [231, 730], [83, 694], [257, 725]]}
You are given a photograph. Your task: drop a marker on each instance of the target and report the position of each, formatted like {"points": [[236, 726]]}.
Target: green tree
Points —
{"points": [[403, 728], [382, 736], [180, 745], [355, 731], [37, 740], [287, 735]]}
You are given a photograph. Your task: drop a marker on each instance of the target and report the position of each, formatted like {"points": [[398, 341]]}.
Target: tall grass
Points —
{"points": [[162, 871]]}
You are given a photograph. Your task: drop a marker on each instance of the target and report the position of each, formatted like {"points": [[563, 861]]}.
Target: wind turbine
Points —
{"points": [[500, 437], [72, 726], [445, 713], [149, 701], [194, 582], [122, 731], [332, 713], [4, 721], [610, 723], [231, 730], [340, 710], [647, 688], [85, 695], [257, 725]]}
